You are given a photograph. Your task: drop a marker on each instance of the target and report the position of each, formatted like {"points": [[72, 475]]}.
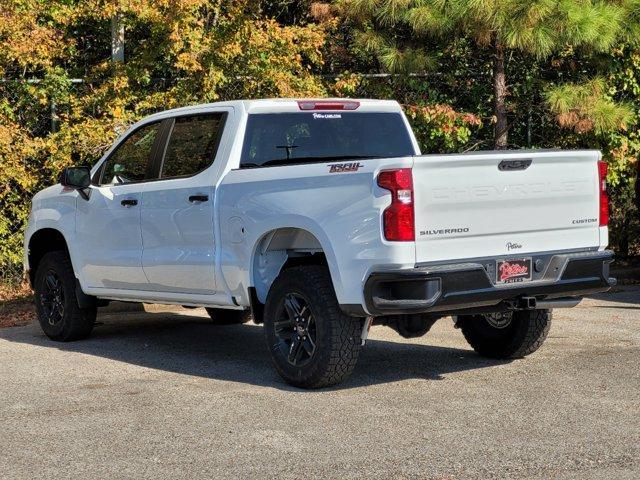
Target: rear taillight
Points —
{"points": [[604, 197], [398, 218]]}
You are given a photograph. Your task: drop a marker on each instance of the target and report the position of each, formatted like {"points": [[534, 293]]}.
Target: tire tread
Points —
{"points": [[344, 343], [80, 321], [529, 333]]}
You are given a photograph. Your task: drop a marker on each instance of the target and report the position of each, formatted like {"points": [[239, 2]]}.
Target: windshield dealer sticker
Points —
{"points": [[322, 116]]}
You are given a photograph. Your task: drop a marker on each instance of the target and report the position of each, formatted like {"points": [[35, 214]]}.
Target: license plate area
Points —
{"points": [[513, 270]]}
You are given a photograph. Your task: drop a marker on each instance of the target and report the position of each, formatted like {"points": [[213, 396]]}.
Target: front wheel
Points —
{"points": [[506, 335], [55, 296], [311, 341]]}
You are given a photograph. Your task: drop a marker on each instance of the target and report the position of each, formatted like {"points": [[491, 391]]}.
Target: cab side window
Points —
{"points": [[193, 144], [129, 163]]}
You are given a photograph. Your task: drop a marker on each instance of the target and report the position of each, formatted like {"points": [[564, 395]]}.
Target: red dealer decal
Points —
{"points": [[513, 271]]}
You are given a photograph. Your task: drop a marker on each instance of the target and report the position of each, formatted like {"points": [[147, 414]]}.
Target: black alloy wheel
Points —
{"points": [[311, 341], [295, 329], [52, 298], [59, 313]]}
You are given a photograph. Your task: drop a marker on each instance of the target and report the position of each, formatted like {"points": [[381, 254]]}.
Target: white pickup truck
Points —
{"points": [[320, 218]]}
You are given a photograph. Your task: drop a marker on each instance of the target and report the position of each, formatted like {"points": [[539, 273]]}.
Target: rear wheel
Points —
{"points": [[311, 341], [55, 296], [506, 335], [225, 316]]}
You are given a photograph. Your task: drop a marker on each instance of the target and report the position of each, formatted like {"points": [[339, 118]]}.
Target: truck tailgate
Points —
{"points": [[505, 203]]}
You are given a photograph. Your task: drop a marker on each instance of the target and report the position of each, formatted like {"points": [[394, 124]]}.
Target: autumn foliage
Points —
{"points": [[63, 100]]}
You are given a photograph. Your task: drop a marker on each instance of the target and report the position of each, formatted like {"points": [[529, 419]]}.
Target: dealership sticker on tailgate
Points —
{"points": [[513, 270]]}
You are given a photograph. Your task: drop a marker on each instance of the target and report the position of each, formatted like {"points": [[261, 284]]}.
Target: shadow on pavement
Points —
{"points": [[191, 345], [619, 294]]}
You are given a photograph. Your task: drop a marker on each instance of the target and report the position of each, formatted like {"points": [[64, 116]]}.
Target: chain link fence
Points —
{"points": [[11, 274]]}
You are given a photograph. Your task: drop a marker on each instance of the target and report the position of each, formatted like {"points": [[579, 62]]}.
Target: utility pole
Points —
{"points": [[117, 39]]}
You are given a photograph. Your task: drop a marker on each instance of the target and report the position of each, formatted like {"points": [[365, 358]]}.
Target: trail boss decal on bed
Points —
{"points": [[511, 271], [345, 167]]}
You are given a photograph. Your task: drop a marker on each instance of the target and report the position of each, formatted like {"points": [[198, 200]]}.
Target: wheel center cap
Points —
{"points": [[300, 330]]}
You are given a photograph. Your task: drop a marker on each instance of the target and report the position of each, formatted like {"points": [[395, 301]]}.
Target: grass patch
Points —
{"points": [[16, 305]]}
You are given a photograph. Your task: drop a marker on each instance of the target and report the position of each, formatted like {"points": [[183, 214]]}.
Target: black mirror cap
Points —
{"points": [[76, 177]]}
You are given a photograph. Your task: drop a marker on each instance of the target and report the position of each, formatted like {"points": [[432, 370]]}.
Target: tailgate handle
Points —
{"points": [[509, 165]]}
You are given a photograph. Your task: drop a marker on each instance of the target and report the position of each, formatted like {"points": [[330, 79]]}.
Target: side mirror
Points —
{"points": [[76, 177]]}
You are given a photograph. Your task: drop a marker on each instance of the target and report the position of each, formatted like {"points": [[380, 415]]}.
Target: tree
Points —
{"points": [[178, 52], [405, 34]]}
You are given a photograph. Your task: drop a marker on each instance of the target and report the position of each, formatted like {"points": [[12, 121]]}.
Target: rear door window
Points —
{"points": [[192, 145], [307, 137]]}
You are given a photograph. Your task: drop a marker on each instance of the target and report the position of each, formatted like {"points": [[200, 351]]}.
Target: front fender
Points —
{"points": [[54, 208]]}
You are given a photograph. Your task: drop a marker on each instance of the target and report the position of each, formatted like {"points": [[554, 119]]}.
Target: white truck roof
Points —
{"points": [[277, 105]]}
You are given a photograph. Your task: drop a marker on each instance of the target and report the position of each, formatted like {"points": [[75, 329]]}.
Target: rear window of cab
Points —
{"points": [[273, 139]]}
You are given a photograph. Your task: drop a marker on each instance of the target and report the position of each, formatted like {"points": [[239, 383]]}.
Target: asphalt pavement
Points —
{"points": [[166, 394]]}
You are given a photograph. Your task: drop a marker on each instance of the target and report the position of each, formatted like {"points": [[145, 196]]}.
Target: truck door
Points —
{"points": [[177, 210], [109, 241]]}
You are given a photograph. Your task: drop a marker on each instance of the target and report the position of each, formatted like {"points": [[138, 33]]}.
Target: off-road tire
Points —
{"points": [[225, 316], [337, 335], [76, 323], [523, 336]]}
